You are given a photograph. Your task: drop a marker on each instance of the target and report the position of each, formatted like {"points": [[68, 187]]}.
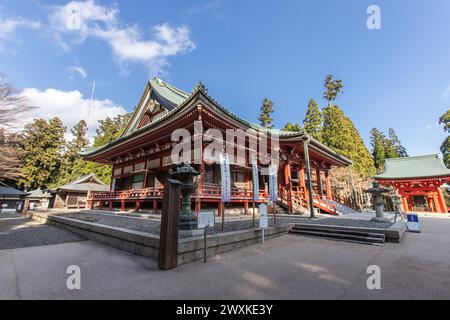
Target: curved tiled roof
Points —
{"points": [[180, 97], [414, 167]]}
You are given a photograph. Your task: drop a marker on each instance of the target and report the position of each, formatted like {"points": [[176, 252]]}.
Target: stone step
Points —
{"points": [[325, 232], [328, 229]]}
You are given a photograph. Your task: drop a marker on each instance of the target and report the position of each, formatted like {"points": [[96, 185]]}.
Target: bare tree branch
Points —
{"points": [[12, 105]]}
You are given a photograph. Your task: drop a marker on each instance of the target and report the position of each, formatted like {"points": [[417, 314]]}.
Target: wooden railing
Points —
{"points": [[149, 193], [293, 199], [208, 191]]}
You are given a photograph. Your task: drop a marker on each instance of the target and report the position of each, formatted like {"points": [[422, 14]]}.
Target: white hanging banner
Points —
{"points": [[225, 177], [273, 183], [255, 180]]}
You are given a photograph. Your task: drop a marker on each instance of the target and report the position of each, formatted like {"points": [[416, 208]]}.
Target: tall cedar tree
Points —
{"points": [[340, 134], [109, 130], [72, 160], [399, 148], [42, 142], [265, 118], [377, 141], [313, 120], [445, 147], [332, 88]]}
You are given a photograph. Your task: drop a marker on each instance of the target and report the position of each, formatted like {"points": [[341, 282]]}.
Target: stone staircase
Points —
{"points": [[338, 234], [343, 210]]}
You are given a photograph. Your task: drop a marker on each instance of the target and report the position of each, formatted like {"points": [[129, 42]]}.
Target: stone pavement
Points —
{"points": [[289, 267], [18, 232]]}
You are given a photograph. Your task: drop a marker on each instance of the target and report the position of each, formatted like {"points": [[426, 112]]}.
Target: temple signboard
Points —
{"points": [[225, 177]]}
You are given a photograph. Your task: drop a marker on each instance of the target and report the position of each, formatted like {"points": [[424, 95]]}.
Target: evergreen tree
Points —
{"points": [[109, 130], [340, 134], [332, 89], [293, 127], [265, 118], [42, 142], [400, 150], [313, 120], [72, 161], [377, 141], [445, 147]]}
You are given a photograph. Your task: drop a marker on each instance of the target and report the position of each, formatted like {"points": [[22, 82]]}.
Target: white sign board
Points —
{"points": [[225, 177], [205, 219], [263, 218], [413, 222], [273, 183], [255, 180]]}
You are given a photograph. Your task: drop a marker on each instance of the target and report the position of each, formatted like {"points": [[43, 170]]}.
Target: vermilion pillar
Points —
{"points": [[442, 201], [287, 173], [319, 182], [328, 184]]}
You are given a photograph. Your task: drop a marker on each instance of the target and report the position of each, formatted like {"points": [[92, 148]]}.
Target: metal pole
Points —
{"points": [[308, 175], [254, 213], [223, 215], [205, 244]]}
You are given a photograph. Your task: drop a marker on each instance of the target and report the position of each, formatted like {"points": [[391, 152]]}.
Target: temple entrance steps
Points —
{"points": [[343, 209], [338, 234], [281, 209]]}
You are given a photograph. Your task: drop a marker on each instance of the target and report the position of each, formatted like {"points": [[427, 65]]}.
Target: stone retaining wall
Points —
{"points": [[147, 245]]}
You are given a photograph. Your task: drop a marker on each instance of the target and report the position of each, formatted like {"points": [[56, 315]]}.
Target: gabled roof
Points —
{"points": [[429, 166], [8, 191], [168, 96], [175, 95], [38, 193], [85, 183]]}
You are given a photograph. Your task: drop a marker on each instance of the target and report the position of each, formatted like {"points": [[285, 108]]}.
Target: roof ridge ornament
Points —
{"points": [[200, 87]]}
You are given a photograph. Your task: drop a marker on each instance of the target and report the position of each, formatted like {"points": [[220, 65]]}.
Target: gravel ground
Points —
{"points": [[153, 226], [19, 232]]}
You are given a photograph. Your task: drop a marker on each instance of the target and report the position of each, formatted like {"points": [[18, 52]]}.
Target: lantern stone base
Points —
{"points": [[381, 220]]}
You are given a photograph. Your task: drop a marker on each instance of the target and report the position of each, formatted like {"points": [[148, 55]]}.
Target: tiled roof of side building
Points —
{"points": [[414, 167]]}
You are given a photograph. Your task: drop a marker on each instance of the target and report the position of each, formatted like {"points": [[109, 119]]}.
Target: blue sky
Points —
{"points": [[242, 51]]}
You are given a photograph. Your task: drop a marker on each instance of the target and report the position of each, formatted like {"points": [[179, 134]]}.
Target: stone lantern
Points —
{"points": [[396, 199], [185, 173], [377, 195]]}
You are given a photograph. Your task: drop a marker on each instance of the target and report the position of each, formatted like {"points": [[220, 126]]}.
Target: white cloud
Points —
{"points": [[77, 70], [9, 26], [70, 107], [74, 22]]}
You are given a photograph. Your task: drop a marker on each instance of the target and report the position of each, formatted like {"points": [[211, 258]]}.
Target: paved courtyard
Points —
{"points": [[288, 267]]}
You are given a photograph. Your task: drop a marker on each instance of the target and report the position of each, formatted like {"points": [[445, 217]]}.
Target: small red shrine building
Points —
{"points": [[418, 181], [141, 157]]}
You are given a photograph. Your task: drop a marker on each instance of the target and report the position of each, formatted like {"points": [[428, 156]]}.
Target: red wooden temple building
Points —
{"points": [[418, 180], [141, 157]]}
